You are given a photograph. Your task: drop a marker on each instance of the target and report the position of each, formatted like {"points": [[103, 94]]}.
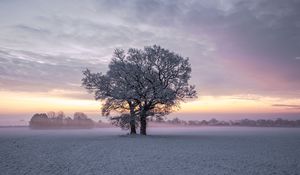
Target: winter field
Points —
{"points": [[210, 150]]}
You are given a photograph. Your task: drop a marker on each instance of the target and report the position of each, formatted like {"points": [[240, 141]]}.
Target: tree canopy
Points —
{"points": [[148, 82]]}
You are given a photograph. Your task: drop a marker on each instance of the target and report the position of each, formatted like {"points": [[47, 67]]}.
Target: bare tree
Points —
{"points": [[80, 116], [149, 82], [51, 114], [115, 93], [158, 79], [51, 120]]}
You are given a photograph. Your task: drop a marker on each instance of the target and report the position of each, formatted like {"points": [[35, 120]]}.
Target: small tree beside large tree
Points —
{"points": [[142, 83]]}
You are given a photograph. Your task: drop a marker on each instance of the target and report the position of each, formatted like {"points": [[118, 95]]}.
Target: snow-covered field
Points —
{"points": [[212, 150]]}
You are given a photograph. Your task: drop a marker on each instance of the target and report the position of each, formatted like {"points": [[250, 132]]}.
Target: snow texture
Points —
{"points": [[209, 151]]}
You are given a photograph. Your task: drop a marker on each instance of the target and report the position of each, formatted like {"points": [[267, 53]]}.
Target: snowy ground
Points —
{"points": [[213, 150]]}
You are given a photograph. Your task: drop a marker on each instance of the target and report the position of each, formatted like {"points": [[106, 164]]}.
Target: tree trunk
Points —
{"points": [[143, 125], [132, 119], [132, 126]]}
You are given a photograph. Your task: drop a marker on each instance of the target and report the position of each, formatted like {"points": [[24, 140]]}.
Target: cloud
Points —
{"points": [[26, 71], [246, 97], [287, 106], [235, 47]]}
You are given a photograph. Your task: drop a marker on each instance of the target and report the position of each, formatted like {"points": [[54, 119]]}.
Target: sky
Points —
{"points": [[245, 55]]}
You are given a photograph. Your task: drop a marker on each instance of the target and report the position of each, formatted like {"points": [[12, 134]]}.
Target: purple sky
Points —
{"points": [[236, 47]]}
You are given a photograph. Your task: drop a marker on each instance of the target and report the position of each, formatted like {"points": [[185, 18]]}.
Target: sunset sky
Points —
{"points": [[245, 55]]}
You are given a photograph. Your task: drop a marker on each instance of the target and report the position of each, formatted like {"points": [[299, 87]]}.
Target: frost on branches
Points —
{"points": [[141, 83]]}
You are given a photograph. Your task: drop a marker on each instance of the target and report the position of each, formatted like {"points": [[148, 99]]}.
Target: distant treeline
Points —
{"points": [[80, 120], [59, 120], [244, 122]]}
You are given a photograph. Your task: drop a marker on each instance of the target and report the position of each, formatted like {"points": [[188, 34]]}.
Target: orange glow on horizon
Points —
{"points": [[30, 102], [15, 102]]}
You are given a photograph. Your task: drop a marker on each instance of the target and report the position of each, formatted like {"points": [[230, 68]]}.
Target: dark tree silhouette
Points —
{"points": [[115, 93], [59, 120], [154, 80]]}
